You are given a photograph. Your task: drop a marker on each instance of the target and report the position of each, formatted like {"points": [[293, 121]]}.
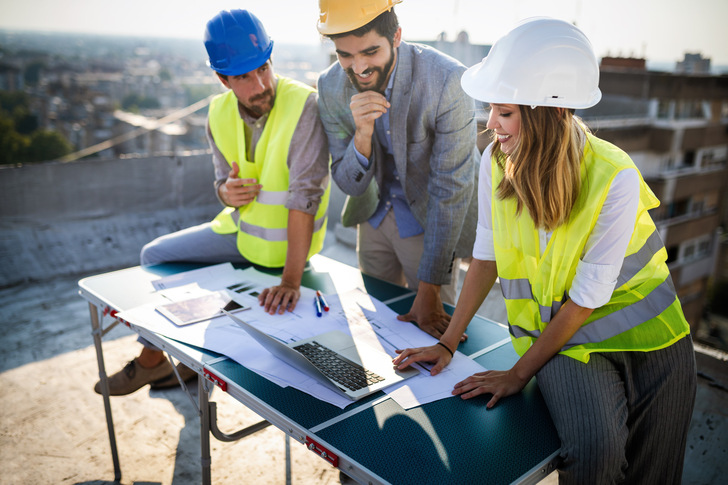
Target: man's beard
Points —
{"points": [[258, 110], [381, 83]]}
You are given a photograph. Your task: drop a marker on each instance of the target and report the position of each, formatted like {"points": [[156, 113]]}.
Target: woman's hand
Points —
{"points": [[436, 354], [496, 382]]}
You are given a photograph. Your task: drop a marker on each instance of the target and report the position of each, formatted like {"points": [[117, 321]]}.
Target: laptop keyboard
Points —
{"points": [[338, 368]]}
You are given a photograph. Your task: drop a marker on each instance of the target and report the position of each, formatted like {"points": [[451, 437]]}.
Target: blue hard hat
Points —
{"points": [[236, 42]]}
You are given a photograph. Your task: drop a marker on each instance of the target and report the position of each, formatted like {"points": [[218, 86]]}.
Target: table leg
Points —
{"points": [[96, 318], [203, 387]]}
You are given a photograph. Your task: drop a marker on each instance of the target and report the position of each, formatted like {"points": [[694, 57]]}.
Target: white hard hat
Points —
{"points": [[541, 62]]}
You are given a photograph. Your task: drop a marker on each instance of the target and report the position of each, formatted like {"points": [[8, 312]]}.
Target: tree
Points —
{"points": [[20, 141], [12, 143], [47, 145], [134, 102]]}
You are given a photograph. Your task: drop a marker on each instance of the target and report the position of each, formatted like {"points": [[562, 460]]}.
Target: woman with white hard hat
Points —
{"points": [[563, 223]]}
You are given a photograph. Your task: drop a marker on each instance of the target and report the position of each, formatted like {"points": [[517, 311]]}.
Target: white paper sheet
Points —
{"points": [[353, 312]]}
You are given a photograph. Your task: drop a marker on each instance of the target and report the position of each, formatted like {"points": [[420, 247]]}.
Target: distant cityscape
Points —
{"points": [[103, 96], [94, 89]]}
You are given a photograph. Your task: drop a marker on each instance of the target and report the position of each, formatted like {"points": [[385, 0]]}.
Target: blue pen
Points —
{"points": [[317, 304]]}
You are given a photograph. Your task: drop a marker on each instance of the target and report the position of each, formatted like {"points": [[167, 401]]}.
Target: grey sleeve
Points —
{"points": [[219, 163], [308, 161]]}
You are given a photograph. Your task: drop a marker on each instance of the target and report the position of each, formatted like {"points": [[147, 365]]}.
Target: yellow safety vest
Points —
{"points": [[262, 225], [643, 313]]}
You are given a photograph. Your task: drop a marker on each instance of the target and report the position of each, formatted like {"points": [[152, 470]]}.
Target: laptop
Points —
{"points": [[349, 368]]}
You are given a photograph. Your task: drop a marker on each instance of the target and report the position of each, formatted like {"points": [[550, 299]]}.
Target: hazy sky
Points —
{"points": [[661, 30]]}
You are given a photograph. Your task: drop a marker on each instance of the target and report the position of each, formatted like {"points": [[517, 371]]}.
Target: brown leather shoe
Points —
{"points": [[133, 377], [185, 373]]}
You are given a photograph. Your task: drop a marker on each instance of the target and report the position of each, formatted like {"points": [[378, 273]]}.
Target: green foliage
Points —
{"points": [[12, 143], [165, 75], [196, 93], [47, 145], [134, 102], [11, 100], [20, 139]]}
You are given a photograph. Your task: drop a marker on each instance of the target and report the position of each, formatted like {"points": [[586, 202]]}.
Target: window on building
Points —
{"points": [[678, 208], [663, 110], [697, 206], [689, 110], [689, 158], [672, 254], [704, 248]]}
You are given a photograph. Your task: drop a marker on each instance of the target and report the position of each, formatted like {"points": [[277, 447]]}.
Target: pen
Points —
{"points": [[322, 300], [317, 304]]}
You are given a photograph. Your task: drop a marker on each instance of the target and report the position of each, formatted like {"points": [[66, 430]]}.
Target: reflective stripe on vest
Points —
{"points": [[271, 198], [270, 234], [617, 322]]}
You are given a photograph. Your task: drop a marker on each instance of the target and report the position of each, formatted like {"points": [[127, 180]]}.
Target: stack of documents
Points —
{"points": [[353, 312]]}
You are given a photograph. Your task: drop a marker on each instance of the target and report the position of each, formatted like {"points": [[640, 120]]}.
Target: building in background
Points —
{"points": [[675, 128], [461, 48], [693, 64]]}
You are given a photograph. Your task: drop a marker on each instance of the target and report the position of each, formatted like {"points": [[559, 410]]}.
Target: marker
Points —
{"points": [[322, 300], [317, 304]]}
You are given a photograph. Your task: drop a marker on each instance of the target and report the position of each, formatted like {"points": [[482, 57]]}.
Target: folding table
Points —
{"points": [[374, 440]]}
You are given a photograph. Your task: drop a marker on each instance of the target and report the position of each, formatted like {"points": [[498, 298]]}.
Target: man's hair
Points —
{"points": [[543, 171], [385, 24]]}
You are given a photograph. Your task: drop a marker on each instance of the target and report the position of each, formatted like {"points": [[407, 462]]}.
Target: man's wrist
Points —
{"points": [[429, 289], [291, 281], [363, 144]]}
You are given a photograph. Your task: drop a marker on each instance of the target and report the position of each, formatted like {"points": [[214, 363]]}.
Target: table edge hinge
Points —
{"points": [[322, 451], [215, 379]]}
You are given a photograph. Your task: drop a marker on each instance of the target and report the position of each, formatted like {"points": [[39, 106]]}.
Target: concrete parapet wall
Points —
{"points": [[89, 216]]}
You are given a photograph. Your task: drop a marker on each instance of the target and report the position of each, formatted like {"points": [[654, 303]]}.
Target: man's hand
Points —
{"points": [[237, 192], [365, 108], [427, 311], [280, 298]]}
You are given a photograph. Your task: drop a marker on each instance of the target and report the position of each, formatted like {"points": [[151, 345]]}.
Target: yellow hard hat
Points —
{"points": [[340, 16]]}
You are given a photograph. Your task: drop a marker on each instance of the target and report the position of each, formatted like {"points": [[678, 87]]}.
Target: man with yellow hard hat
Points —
{"points": [[403, 144]]}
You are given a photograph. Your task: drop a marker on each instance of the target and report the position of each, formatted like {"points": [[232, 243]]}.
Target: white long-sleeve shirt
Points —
{"points": [[601, 262]]}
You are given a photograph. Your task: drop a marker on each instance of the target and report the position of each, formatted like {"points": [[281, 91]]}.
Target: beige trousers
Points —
{"points": [[385, 255]]}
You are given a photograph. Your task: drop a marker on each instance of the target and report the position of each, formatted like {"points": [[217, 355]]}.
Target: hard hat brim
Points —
{"points": [[247, 66]]}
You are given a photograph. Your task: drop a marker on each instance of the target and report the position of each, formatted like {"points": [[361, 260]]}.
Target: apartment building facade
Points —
{"points": [[675, 128]]}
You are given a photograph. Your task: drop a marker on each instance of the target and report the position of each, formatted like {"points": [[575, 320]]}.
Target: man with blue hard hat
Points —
{"points": [[271, 161]]}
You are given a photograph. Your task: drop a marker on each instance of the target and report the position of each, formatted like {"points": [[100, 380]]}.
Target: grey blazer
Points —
{"points": [[433, 134]]}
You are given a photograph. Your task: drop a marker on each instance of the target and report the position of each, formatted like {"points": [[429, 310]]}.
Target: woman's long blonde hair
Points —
{"points": [[543, 171]]}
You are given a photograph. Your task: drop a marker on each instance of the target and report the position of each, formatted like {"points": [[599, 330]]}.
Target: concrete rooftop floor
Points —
{"points": [[53, 429]]}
